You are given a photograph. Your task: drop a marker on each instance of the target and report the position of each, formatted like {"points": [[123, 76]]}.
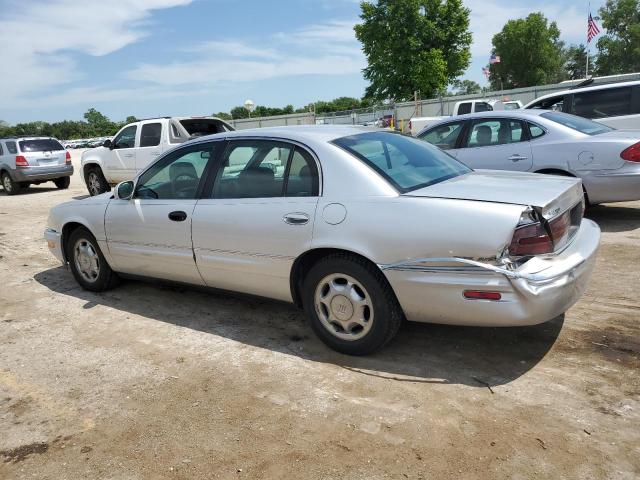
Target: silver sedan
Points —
{"points": [[606, 160], [360, 228]]}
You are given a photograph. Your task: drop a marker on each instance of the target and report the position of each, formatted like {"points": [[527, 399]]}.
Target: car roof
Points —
{"points": [[302, 133], [519, 113], [589, 88]]}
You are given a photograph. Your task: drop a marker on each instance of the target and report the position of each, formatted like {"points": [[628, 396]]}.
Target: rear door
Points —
{"points": [[446, 136], [42, 152], [149, 143], [497, 144], [120, 163], [258, 218]]}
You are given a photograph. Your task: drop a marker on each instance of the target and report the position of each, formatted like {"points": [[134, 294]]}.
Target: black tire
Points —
{"points": [[96, 183], [387, 314], [25, 184], [62, 183], [105, 278], [10, 187]]}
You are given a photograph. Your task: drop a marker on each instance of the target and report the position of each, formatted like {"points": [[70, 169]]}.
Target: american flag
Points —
{"points": [[494, 59], [592, 29], [485, 71]]}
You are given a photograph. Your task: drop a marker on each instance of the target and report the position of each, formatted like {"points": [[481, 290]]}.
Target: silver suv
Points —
{"points": [[27, 160]]}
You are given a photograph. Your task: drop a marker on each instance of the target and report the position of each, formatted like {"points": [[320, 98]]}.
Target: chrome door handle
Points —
{"points": [[296, 218], [517, 158]]}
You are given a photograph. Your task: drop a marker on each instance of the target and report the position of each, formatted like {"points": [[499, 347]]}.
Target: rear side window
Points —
{"points": [[495, 132], [150, 134], [40, 145], [611, 102], [302, 179], [11, 146], [535, 131]]}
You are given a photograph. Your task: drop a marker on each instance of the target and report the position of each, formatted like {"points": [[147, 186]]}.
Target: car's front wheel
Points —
{"points": [[10, 187], [350, 304], [88, 265], [62, 183], [96, 183]]}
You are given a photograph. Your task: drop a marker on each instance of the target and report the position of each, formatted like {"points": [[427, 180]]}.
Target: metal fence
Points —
{"points": [[404, 111]]}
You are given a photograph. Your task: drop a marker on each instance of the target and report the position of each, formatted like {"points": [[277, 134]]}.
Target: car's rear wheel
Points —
{"points": [[62, 183], [350, 304], [10, 187], [96, 183], [88, 265]]}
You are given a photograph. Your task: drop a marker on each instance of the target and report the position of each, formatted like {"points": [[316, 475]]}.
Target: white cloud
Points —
{"points": [[36, 38], [325, 49]]}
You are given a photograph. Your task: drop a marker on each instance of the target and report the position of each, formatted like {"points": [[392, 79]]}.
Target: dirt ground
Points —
{"points": [[151, 381]]}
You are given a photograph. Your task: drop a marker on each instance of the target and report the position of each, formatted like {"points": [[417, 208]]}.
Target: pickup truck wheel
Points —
{"points": [[88, 265], [62, 183], [350, 304], [10, 187], [96, 183]]}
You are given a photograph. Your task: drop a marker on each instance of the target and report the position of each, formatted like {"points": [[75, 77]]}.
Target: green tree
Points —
{"points": [[465, 87], [239, 112], [99, 124], [130, 119], [413, 45], [575, 62], [530, 51], [222, 115], [619, 49]]}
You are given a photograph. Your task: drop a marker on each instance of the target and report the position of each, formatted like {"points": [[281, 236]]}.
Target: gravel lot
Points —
{"points": [[150, 381]]}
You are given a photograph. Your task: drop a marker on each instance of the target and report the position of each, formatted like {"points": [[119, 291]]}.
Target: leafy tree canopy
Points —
{"points": [[413, 45], [530, 51], [619, 49]]}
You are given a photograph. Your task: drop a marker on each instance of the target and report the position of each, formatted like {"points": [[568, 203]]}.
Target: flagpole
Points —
{"points": [[586, 70]]}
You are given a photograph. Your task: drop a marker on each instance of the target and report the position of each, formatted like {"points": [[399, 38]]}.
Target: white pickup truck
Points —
{"points": [[137, 144], [416, 124]]}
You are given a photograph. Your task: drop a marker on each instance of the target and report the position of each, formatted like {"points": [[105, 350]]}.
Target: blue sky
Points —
{"points": [[196, 57]]}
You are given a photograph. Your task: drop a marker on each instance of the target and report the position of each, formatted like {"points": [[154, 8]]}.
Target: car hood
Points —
{"points": [[550, 194]]}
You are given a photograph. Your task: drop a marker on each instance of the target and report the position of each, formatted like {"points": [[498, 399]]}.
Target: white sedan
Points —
{"points": [[606, 160], [360, 228]]}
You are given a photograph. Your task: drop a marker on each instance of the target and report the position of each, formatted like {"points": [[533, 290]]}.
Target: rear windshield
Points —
{"points": [[580, 124], [201, 127], [405, 162], [40, 145]]}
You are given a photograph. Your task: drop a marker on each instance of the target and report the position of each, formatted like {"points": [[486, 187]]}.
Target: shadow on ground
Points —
{"points": [[479, 357], [614, 218]]}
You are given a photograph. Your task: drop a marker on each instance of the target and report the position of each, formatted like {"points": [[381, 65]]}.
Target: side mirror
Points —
{"points": [[107, 144], [124, 190]]}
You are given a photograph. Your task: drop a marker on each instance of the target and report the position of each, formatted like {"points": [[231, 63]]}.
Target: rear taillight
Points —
{"points": [[631, 154], [531, 239], [67, 158], [21, 161]]}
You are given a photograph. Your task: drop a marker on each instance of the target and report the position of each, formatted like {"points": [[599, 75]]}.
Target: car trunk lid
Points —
{"points": [[549, 194]]}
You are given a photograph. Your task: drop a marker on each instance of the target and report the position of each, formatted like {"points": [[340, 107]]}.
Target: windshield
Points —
{"points": [[580, 124], [405, 162], [40, 145]]}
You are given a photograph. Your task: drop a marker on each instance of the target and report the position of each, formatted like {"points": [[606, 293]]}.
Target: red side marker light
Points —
{"points": [[482, 295]]}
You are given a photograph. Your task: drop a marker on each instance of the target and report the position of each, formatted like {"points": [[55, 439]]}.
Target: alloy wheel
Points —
{"points": [[94, 183], [344, 306], [86, 260]]}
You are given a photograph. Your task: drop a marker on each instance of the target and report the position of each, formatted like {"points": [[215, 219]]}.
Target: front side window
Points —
{"points": [[483, 107], [553, 103], [40, 145], [500, 131], [464, 108], [11, 146], [406, 163], [443, 136], [611, 102], [178, 175], [150, 134], [126, 138], [582, 125]]}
